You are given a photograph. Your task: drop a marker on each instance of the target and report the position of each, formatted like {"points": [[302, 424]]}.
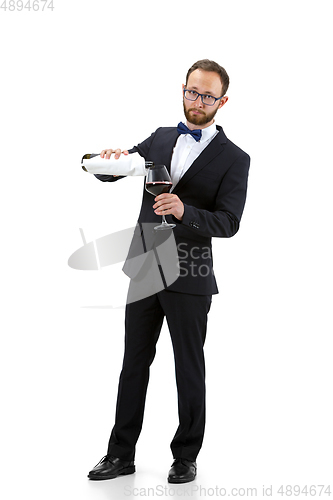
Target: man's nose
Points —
{"points": [[198, 102]]}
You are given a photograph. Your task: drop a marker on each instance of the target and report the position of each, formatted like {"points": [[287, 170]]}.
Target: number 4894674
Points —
{"points": [[34, 5]]}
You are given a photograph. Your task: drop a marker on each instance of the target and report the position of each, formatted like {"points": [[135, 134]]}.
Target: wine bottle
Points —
{"points": [[131, 164]]}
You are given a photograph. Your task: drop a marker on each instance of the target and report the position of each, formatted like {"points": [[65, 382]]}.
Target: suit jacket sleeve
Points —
{"points": [[224, 219]]}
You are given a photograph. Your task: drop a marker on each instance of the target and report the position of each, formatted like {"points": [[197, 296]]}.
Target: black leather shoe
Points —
{"points": [[110, 467], [182, 471]]}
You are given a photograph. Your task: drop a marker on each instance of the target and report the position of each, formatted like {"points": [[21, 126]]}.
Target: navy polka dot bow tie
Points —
{"points": [[182, 129]]}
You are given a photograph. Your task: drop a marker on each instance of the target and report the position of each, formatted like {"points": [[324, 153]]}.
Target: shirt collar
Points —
{"points": [[207, 133]]}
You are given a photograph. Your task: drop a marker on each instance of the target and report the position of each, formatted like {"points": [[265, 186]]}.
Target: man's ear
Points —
{"points": [[223, 101]]}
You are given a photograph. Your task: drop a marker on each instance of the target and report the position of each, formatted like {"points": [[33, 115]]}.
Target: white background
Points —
{"points": [[86, 76]]}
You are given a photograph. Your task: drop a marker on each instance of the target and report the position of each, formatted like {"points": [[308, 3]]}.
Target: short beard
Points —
{"points": [[201, 119]]}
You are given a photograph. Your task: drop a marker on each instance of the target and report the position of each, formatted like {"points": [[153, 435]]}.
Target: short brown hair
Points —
{"points": [[207, 65]]}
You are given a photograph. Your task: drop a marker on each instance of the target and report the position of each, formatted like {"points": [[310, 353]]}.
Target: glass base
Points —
{"points": [[164, 226]]}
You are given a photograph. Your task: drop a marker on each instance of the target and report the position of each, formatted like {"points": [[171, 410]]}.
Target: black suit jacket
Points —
{"points": [[213, 191]]}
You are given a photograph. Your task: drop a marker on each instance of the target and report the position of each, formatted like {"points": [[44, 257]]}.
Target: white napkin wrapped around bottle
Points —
{"points": [[131, 164]]}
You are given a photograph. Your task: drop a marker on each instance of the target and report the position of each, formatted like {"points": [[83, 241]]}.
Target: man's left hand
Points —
{"points": [[168, 203]]}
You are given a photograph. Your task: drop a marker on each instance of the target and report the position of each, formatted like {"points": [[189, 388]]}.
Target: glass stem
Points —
{"points": [[163, 220]]}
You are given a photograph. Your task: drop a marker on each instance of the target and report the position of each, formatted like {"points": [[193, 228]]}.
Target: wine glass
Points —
{"points": [[158, 181]]}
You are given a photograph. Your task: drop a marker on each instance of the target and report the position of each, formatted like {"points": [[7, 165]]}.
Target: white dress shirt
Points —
{"points": [[187, 150]]}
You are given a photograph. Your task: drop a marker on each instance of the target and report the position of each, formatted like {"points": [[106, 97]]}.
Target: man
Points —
{"points": [[209, 175]]}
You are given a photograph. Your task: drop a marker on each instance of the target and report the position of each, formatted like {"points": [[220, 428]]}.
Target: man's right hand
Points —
{"points": [[108, 152]]}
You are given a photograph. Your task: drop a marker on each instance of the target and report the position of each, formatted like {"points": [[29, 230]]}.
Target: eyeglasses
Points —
{"points": [[192, 95]]}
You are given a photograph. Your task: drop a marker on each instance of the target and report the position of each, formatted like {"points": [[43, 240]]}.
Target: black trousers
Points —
{"points": [[186, 316]]}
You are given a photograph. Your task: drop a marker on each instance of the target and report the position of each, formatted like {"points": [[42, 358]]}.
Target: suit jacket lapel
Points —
{"points": [[208, 154]]}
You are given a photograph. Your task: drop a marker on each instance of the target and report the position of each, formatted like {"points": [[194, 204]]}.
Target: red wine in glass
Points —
{"points": [[158, 181], [158, 187]]}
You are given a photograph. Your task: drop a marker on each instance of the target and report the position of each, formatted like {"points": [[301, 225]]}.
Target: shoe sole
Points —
{"points": [[124, 472], [179, 481]]}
